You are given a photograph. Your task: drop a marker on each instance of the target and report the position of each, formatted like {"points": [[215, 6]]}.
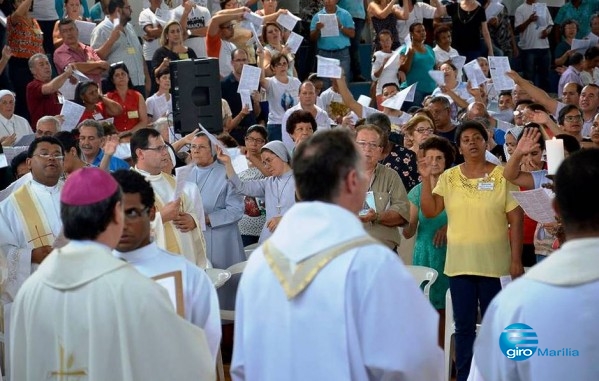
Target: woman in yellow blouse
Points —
{"points": [[480, 246]]}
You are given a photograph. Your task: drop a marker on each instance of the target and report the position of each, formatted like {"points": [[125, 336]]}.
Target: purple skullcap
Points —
{"points": [[88, 186]]}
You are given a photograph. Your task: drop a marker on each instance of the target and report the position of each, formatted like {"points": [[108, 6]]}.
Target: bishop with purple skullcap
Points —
{"points": [[88, 186]]}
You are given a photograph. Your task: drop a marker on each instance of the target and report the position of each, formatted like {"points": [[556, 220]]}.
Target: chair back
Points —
{"points": [[424, 274]]}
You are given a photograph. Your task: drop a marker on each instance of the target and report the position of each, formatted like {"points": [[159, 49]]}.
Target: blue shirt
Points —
{"points": [[337, 42], [582, 15], [115, 162], [354, 7]]}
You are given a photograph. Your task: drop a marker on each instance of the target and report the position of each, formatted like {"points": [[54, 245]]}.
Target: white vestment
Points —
{"points": [[559, 299], [102, 320], [190, 244], [15, 125], [362, 317], [199, 295], [16, 241]]}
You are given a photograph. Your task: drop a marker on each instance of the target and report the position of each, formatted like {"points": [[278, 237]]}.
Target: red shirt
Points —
{"points": [[97, 114], [130, 115], [39, 104]]}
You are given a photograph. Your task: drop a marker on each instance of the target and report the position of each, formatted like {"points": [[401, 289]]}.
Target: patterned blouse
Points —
{"points": [[24, 36], [405, 163]]}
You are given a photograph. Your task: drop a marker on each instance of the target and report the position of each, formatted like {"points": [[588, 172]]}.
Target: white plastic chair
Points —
{"points": [[218, 276], [424, 274], [249, 249]]}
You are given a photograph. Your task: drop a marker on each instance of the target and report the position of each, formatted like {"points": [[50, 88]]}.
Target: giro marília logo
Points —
{"points": [[518, 342]]}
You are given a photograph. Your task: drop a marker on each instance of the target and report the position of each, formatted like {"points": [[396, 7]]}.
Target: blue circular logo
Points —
{"points": [[518, 342]]}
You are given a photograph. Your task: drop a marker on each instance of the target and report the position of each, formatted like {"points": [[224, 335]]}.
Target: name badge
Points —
{"points": [[486, 184], [60, 98], [183, 56], [131, 50], [98, 116], [132, 114]]}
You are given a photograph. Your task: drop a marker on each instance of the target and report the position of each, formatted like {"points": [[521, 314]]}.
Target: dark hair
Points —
{"points": [[227, 140], [141, 139], [470, 125], [440, 99], [523, 102], [537, 127], [66, 20], [86, 222], [134, 182], [161, 72], [577, 182], [506, 93], [48, 139], [82, 88], [16, 161], [575, 58], [571, 144], [441, 144], [321, 163], [578, 85], [67, 138], [259, 129], [591, 53], [390, 84], [113, 68], [237, 50], [443, 28], [277, 58], [299, 116], [265, 27], [384, 31], [379, 119], [566, 109], [413, 26], [114, 4], [536, 107], [566, 23], [450, 64]]}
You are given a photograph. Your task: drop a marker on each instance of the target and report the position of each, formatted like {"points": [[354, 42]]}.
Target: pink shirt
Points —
{"points": [[64, 55]]}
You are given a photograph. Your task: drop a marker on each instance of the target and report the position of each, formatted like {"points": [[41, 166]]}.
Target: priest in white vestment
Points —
{"points": [[321, 299], [177, 227], [557, 299], [89, 316], [12, 127], [199, 295], [30, 215]]}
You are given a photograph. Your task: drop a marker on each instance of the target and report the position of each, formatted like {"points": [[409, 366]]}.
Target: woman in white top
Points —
{"points": [[381, 74], [161, 103], [272, 35], [459, 93], [281, 90]]}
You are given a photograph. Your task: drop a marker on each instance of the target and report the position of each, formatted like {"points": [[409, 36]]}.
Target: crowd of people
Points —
{"points": [[323, 185]]}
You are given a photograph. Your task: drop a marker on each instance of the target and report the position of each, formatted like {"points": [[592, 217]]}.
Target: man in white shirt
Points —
{"points": [[12, 127], [135, 247], [102, 320], [556, 303], [534, 23], [372, 303], [307, 102], [30, 216]]}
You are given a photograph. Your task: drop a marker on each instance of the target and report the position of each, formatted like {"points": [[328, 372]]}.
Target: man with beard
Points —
{"points": [[30, 216]]}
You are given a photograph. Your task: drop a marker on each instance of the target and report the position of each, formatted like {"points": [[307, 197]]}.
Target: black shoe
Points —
{"points": [[359, 78]]}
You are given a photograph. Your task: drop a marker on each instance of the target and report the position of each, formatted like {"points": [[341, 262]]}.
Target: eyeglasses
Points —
{"points": [[423, 130], [249, 139], [198, 146], [573, 118], [161, 148], [47, 156], [370, 145], [134, 214]]}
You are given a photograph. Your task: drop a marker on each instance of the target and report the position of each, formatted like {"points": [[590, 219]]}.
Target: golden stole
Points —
{"points": [[35, 227]]}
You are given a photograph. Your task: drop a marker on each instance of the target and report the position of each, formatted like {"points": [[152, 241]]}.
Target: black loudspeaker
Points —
{"points": [[195, 88]]}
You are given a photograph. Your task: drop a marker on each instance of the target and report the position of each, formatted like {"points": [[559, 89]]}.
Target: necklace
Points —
{"points": [[469, 15], [6, 128], [280, 194], [206, 179]]}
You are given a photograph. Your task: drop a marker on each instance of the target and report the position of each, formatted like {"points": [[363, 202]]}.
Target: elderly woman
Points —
{"points": [[511, 140], [386, 191], [431, 241], [278, 189], [563, 50], [418, 129], [300, 126], [97, 106], [171, 47], [272, 35], [479, 207], [120, 89]]}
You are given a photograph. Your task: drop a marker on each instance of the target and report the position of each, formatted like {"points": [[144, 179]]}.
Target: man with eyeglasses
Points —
{"points": [[115, 40], [570, 120], [218, 37], [91, 141], [137, 248], [30, 216], [47, 126], [242, 118], [179, 219], [439, 107]]}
